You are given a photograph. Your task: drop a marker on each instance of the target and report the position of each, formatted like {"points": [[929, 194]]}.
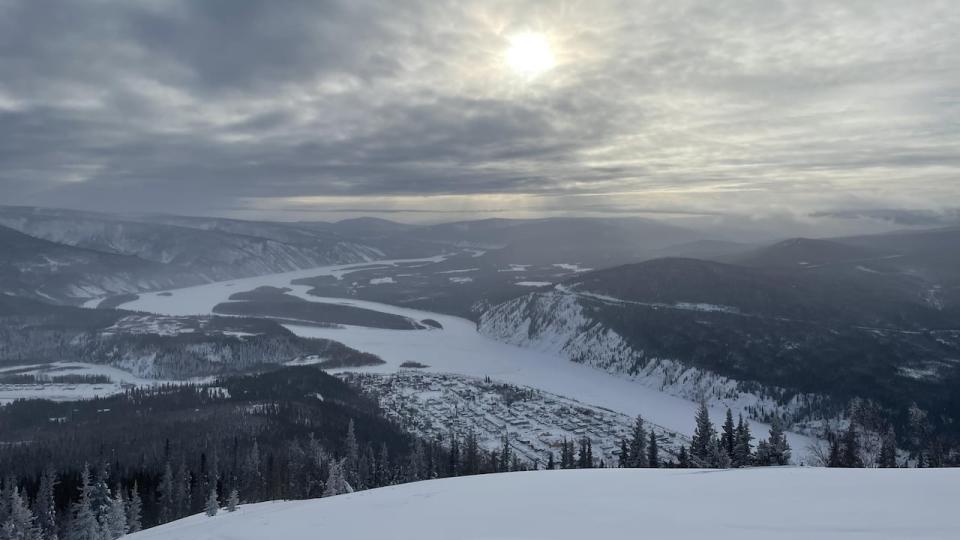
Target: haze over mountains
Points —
{"points": [[793, 316], [627, 316]]}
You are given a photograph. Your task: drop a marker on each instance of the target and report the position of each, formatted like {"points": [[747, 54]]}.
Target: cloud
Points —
{"points": [[760, 106]]}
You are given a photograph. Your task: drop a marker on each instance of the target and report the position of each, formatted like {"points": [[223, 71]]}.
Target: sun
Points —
{"points": [[529, 54]]}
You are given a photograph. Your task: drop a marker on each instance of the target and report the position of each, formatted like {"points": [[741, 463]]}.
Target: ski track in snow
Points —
{"points": [[457, 348]]}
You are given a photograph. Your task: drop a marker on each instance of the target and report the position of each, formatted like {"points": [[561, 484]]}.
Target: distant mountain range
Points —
{"points": [[793, 328], [115, 254]]}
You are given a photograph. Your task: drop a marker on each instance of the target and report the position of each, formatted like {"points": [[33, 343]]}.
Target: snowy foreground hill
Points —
{"points": [[794, 503]]}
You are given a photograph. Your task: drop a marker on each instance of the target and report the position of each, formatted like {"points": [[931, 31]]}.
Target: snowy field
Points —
{"points": [[740, 504], [457, 348], [119, 378]]}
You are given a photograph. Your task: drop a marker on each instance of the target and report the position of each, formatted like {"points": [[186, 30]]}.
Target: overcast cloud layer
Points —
{"points": [[408, 109]]}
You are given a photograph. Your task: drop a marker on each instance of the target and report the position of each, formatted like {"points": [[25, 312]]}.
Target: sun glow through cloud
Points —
{"points": [[529, 54]]}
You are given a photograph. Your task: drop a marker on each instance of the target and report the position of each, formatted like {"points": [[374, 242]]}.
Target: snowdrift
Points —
{"points": [[768, 503]]}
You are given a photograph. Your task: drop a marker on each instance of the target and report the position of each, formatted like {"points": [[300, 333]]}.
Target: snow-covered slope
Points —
{"points": [[791, 343], [214, 250], [557, 322], [35, 268], [740, 504]]}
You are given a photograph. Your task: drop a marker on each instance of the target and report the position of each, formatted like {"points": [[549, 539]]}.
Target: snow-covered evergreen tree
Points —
{"points": [[416, 464], [116, 519], [181, 490], [233, 500], [101, 500], [165, 495], [44, 506], [83, 522], [213, 503], [352, 454], [336, 482], [19, 522], [134, 510]]}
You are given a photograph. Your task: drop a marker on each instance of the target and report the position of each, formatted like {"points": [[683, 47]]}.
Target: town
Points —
{"points": [[535, 422]]}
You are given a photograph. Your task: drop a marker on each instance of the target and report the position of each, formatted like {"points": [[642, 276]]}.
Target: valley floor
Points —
{"points": [[766, 503], [460, 349]]}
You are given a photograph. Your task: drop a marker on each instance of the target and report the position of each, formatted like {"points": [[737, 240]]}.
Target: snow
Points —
{"points": [[200, 299], [700, 306], [382, 281], [459, 271], [460, 279], [572, 267], [73, 392], [305, 361], [533, 283], [459, 348], [744, 504]]}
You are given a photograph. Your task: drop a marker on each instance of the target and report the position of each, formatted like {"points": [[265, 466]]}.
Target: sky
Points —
{"points": [[439, 110]]}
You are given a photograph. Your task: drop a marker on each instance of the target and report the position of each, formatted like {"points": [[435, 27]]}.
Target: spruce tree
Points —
{"points": [[762, 455], [638, 445], [683, 459], [20, 523], [352, 454], [471, 454], [779, 450], [624, 457], [888, 449], [101, 500], [505, 454], [165, 495], [213, 503], [850, 449], [336, 483], [701, 445], [45, 508], [134, 510], [728, 437], [653, 453], [416, 463], [116, 522], [83, 523], [453, 467], [742, 450], [567, 458], [834, 459], [233, 501], [382, 473], [181, 490]]}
